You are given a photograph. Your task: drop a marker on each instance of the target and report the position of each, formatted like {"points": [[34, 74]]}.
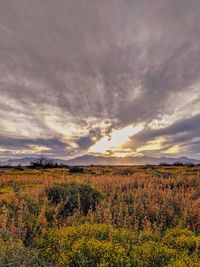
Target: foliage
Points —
{"points": [[182, 239], [19, 168], [104, 245], [44, 163], [23, 218], [14, 254], [145, 216], [76, 169], [73, 197], [93, 253], [185, 261], [151, 254]]}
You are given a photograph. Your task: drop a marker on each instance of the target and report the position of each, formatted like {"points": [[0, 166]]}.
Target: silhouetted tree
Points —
{"points": [[43, 163]]}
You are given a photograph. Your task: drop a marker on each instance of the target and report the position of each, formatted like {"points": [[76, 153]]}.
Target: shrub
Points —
{"points": [[124, 171], [178, 163], [148, 235], [44, 163], [92, 253], [14, 254], [103, 245], [181, 239], [151, 254], [76, 169], [164, 164], [88, 245], [19, 168], [73, 197], [185, 261]]}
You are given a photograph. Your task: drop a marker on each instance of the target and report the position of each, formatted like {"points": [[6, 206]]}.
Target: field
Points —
{"points": [[100, 216]]}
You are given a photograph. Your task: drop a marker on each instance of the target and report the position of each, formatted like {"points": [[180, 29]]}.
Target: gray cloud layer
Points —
{"points": [[80, 63]]}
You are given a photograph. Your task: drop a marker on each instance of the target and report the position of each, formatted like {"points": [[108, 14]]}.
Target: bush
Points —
{"points": [[178, 163], [151, 254], [19, 168], [185, 261], [149, 235], [92, 253], [74, 197], [44, 163], [76, 169], [14, 254], [124, 171], [164, 164], [89, 245], [181, 239]]}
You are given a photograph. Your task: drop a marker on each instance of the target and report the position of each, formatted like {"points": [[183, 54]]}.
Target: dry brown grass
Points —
{"points": [[135, 197]]}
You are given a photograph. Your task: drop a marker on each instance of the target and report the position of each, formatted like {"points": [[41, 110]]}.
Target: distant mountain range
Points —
{"points": [[101, 160]]}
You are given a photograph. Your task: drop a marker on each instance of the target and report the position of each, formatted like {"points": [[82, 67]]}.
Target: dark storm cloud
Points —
{"points": [[85, 142], [125, 61]]}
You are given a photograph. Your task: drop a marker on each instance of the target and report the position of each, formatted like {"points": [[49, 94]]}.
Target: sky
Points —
{"points": [[104, 77]]}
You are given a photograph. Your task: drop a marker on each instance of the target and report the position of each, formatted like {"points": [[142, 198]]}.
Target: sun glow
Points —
{"points": [[116, 140], [156, 144], [173, 150]]}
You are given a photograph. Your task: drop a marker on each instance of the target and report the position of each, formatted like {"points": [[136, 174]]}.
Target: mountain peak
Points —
{"points": [[102, 160]]}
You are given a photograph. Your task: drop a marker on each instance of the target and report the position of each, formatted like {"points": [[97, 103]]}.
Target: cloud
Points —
{"points": [[180, 136], [21, 146], [75, 71]]}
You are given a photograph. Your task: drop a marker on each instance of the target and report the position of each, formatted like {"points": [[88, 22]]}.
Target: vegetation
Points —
{"points": [[44, 163], [76, 169], [74, 197], [100, 216]]}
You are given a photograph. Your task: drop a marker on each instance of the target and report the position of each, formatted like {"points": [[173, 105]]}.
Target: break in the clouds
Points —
{"points": [[107, 76]]}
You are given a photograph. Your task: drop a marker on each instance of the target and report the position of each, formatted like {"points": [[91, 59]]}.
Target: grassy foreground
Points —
{"points": [[100, 216]]}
